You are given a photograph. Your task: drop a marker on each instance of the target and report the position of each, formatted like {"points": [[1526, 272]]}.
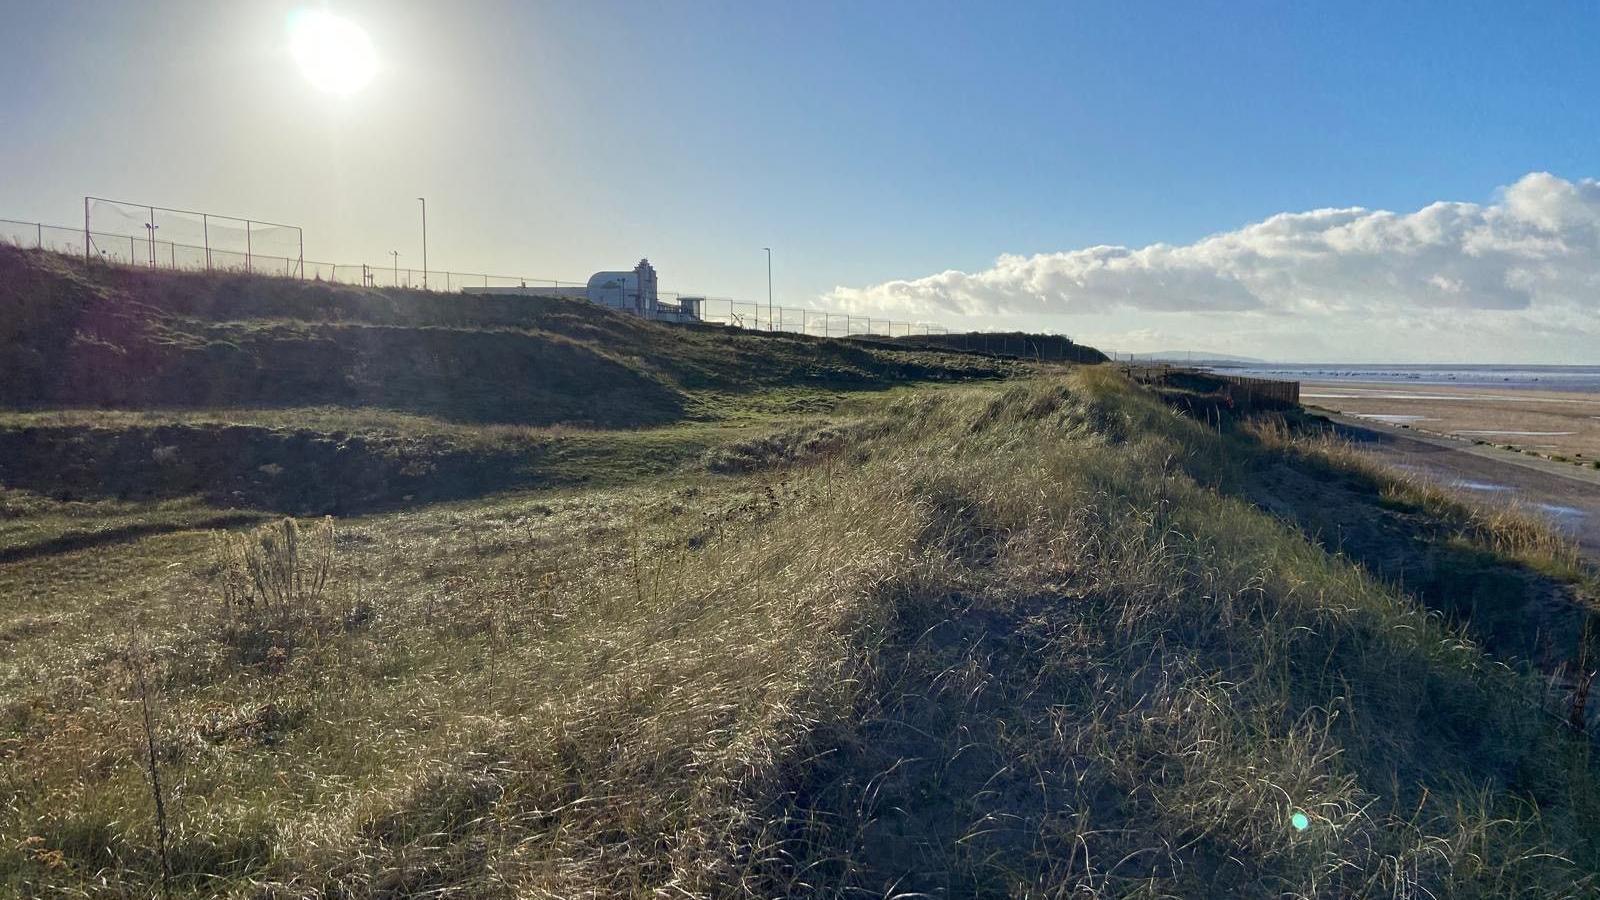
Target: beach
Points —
{"points": [[1560, 425], [1485, 475], [1492, 445], [1496, 435]]}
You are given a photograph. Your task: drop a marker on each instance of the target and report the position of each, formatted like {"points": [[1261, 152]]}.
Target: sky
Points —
{"points": [[1321, 182]]}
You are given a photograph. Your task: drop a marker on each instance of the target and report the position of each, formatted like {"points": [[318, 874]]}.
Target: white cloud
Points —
{"points": [[1533, 254]]}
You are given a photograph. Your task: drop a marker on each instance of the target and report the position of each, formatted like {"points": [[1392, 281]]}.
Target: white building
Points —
{"points": [[633, 291]]}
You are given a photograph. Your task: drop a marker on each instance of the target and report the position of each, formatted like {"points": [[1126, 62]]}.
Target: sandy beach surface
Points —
{"points": [[1553, 424], [1566, 495]]}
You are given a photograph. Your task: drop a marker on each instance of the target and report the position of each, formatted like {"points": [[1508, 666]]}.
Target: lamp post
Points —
{"points": [[396, 255], [424, 243], [769, 288]]}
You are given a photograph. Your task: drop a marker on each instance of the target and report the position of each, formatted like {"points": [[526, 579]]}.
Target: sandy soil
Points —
{"points": [[1548, 423]]}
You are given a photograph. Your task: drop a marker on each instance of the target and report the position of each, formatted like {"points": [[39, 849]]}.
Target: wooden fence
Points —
{"points": [[1261, 391], [1241, 391]]}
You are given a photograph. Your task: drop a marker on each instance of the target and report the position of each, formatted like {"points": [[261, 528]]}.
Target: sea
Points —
{"points": [[1577, 379]]}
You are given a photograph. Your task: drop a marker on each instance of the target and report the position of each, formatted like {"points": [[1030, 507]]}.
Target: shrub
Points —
{"points": [[275, 570]]}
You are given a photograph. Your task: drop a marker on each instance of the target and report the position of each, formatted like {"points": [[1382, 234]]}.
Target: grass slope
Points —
{"points": [[79, 335], [1025, 639], [122, 385]]}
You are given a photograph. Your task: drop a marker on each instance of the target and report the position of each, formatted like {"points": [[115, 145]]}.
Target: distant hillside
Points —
{"points": [[1195, 356], [87, 335]]}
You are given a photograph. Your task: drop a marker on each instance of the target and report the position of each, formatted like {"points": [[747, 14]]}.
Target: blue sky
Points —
{"points": [[868, 143]]}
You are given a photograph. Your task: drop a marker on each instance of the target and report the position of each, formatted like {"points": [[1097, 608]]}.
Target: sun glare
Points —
{"points": [[334, 54]]}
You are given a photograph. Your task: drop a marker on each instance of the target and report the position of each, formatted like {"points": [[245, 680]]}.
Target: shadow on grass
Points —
{"points": [[1519, 613], [84, 539]]}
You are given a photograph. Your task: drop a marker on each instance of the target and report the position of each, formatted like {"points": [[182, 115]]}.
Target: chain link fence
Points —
{"points": [[151, 239]]}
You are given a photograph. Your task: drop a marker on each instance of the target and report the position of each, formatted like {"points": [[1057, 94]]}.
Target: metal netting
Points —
{"points": [[142, 234]]}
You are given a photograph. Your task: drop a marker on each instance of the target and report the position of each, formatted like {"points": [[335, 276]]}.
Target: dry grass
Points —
{"points": [[1011, 643], [273, 571], [1508, 529]]}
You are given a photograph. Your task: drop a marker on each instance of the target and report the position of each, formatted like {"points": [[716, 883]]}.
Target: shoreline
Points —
{"points": [[1566, 496], [1561, 427], [1492, 452]]}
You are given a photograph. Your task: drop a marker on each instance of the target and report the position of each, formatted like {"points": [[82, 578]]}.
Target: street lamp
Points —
{"points": [[769, 288], [396, 255], [424, 243]]}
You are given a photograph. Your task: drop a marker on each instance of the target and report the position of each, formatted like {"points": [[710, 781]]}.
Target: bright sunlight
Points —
{"points": [[333, 53]]}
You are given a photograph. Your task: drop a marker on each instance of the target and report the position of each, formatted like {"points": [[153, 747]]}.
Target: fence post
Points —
{"points": [[38, 239], [85, 229], [205, 231], [249, 265]]}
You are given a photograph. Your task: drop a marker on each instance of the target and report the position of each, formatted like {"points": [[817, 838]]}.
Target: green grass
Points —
{"points": [[1011, 639], [80, 335], [31, 523]]}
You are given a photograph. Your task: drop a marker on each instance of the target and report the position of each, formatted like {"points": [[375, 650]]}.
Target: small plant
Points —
{"points": [[135, 660], [275, 569], [1583, 673], [274, 584]]}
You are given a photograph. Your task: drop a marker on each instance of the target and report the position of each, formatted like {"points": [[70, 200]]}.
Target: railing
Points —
{"points": [[147, 251]]}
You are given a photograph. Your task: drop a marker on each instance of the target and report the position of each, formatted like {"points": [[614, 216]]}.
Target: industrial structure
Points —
{"points": [[633, 291]]}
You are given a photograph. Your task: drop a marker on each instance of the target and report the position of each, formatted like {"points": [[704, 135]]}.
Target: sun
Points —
{"points": [[334, 54]]}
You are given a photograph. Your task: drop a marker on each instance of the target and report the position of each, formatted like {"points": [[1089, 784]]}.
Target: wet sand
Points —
{"points": [[1546, 423], [1567, 496]]}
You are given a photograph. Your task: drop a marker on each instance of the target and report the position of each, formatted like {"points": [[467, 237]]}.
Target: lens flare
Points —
{"points": [[1300, 821], [334, 54]]}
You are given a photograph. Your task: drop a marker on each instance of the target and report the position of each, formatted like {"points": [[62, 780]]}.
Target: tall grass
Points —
{"points": [[1012, 642], [1147, 681], [273, 569], [1509, 529]]}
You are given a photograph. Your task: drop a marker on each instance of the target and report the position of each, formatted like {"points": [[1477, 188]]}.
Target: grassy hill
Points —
{"points": [[1035, 633], [310, 398], [77, 335]]}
